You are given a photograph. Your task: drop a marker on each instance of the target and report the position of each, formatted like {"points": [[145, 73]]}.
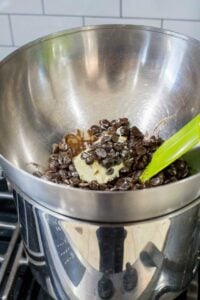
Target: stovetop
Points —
{"points": [[16, 280]]}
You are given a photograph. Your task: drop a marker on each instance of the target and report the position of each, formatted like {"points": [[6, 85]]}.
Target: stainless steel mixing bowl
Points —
{"points": [[71, 80]]}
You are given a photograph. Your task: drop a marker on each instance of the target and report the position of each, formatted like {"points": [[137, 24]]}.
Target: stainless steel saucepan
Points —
{"points": [[71, 80]]}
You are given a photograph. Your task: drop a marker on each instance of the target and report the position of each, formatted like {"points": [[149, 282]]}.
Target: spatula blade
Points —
{"points": [[173, 148]]}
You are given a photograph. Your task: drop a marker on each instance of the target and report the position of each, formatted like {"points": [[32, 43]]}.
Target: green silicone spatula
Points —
{"points": [[173, 148]]}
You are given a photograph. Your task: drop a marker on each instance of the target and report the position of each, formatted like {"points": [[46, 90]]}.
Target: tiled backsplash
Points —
{"points": [[24, 20]]}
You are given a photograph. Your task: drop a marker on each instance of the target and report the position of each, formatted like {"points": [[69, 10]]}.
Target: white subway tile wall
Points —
{"points": [[5, 34], [4, 51], [24, 20], [83, 7], [21, 6], [28, 28], [185, 27], [173, 9]]}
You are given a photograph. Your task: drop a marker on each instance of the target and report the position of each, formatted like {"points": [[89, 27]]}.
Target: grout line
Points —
{"points": [[162, 23], [43, 7], [114, 17], [83, 20], [95, 16], [22, 14], [120, 8], [11, 30], [8, 46], [185, 20]]}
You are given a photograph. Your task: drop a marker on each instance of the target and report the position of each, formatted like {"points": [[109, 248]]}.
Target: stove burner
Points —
{"points": [[16, 280]]}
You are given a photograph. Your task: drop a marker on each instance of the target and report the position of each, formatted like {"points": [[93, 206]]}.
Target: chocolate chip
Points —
{"points": [[104, 124], [60, 159], [53, 157], [124, 184], [183, 171], [173, 179], [74, 181], [66, 181], [89, 160], [54, 165], [117, 161], [124, 170], [113, 122], [37, 173], [159, 141], [100, 153], [105, 139], [111, 130], [110, 171], [157, 180], [69, 152], [84, 155], [84, 184], [75, 174], [72, 168], [63, 146], [140, 150], [107, 163], [63, 173], [66, 159], [140, 165], [125, 187], [136, 174], [55, 148], [124, 130], [129, 162], [117, 153], [171, 170], [115, 138], [94, 185], [180, 164], [145, 159], [134, 131], [118, 146], [125, 154], [63, 166], [123, 121], [108, 146], [138, 186], [102, 187], [95, 129]]}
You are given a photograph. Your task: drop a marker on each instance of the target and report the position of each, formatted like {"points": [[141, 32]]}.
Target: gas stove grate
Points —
{"points": [[16, 280], [10, 261]]}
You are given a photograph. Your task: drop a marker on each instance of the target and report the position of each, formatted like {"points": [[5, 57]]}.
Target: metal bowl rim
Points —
{"points": [[68, 187], [96, 27]]}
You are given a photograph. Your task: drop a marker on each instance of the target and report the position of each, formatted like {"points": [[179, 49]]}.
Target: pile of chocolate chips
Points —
{"points": [[111, 143]]}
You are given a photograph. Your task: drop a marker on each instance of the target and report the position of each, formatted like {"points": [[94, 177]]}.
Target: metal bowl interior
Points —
{"points": [[71, 80]]}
